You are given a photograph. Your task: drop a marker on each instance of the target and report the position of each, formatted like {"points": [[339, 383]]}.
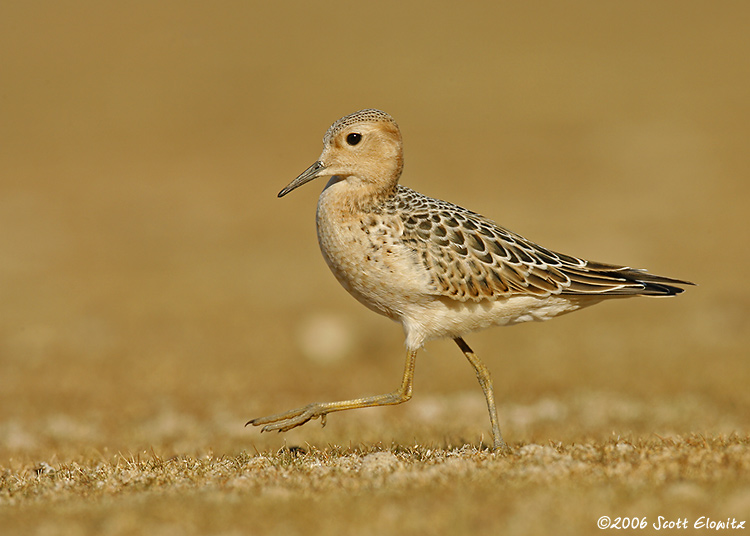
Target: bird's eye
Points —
{"points": [[354, 138]]}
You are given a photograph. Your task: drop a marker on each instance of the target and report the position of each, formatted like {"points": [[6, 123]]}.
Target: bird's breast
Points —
{"points": [[364, 251]]}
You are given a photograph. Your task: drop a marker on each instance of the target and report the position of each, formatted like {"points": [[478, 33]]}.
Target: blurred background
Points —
{"points": [[155, 293]]}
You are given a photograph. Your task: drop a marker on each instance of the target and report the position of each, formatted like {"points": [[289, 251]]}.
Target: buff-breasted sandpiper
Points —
{"points": [[438, 269]]}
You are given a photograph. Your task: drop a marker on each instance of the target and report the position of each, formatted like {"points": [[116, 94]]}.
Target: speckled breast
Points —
{"points": [[364, 251]]}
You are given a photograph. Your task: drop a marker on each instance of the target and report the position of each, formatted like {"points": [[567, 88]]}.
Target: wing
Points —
{"points": [[470, 257]]}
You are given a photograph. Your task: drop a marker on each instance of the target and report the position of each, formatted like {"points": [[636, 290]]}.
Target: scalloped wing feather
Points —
{"points": [[470, 257]]}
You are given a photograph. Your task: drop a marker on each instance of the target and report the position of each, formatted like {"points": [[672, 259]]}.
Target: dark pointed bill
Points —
{"points": [[314, 171]]}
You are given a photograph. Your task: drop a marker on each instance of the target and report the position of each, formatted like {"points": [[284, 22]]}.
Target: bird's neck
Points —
{"points": [[357, 195]]}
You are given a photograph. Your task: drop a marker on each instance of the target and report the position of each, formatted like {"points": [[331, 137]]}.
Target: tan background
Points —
{"points": [[154, 293]]}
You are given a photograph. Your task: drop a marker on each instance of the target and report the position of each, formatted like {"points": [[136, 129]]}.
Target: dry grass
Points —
{"points": [[155, 295], [375, 489]]}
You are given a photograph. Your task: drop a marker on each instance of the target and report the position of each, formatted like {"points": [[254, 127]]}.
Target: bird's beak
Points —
{"points": [[313, 172]]}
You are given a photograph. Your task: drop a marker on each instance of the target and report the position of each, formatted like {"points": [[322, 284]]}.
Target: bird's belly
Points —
{"points": [[447, 318]]}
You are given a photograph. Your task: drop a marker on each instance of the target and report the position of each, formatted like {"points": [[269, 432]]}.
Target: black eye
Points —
{"points": [[354, 138]]}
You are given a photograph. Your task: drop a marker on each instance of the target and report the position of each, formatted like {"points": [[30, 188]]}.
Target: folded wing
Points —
{"points": [[469, 257]]}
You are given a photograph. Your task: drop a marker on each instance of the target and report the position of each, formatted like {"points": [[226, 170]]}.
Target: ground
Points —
{"points": [[376, 489], [155, 295]]}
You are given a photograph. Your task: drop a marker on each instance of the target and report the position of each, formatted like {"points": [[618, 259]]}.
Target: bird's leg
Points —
{"points": [[297, 417], [483, 375]]}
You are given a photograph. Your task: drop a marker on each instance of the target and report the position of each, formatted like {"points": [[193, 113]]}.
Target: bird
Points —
{"points": [[438, 269]]}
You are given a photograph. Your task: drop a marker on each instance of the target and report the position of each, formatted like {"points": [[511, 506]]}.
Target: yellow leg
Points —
{"points": [[297, 417], [483, 375]]}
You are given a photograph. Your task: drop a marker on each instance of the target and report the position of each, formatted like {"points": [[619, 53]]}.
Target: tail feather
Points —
{"points": [[611, 280]]}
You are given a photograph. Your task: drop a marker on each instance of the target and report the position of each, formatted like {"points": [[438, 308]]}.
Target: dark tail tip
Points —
{"points": [[662, 286]]}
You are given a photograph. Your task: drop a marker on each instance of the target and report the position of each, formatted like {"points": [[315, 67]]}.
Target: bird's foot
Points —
{"points": [[283, 422]]}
